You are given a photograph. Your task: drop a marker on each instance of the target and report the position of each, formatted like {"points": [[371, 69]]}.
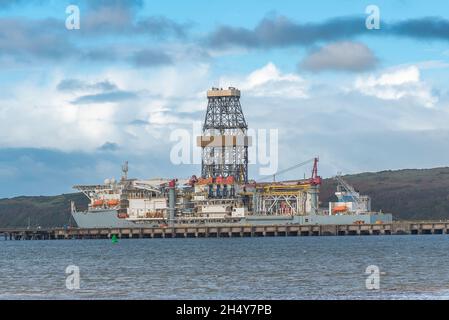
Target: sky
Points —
{"points": [[75, 104]]}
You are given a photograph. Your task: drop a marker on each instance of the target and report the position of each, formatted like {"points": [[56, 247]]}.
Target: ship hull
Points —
{"points": [[100, 219], [109, 219]]}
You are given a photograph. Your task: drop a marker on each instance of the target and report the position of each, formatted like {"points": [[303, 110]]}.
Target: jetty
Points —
{"points": [[226, 231]]}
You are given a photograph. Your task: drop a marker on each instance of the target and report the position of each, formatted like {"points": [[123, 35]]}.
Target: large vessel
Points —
{"points": [[156, 202], [223, 194]]}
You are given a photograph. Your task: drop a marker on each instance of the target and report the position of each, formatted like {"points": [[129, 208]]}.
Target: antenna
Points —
{"points": [[125, 171]]}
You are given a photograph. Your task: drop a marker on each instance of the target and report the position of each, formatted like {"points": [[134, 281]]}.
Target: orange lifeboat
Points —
{"points": [[113, 202], [219, 180], [98, 203], [339, 209], [205, 180], [229, 180]]}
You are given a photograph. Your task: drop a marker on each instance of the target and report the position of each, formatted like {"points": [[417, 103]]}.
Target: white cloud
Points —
{"points": [[173, 97], [397, 84], [45, 117], [269, 81], [432, 64], [164, 118]]}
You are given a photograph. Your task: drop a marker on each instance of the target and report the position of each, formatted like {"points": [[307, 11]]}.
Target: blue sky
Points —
{"points": [[74, 104]]}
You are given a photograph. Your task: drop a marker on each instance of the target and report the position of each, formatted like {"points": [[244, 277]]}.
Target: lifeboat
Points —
{"points": [[113, 202], [98, 203], [229, 180], [339, 209], [219, 180], [205, 180]]}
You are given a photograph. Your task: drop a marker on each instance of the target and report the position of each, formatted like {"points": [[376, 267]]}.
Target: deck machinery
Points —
{"points": [[224, 188]]}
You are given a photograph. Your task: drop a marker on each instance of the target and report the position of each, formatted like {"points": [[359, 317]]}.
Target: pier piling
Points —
{"points": [[228, 231]]}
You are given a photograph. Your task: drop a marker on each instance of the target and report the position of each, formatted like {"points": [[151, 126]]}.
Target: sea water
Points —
{"points": [[409, 267]]}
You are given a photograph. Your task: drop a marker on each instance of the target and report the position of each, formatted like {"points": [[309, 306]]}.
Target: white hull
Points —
{"points": [[109, 219], [101, 219]]}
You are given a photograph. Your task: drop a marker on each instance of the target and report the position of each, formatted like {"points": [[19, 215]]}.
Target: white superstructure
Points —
{"points": [[349, 201]]}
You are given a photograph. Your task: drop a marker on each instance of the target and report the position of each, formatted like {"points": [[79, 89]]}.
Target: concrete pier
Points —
{"points": [[227, 231]]}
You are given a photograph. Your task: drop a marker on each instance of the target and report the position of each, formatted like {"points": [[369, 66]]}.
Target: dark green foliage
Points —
{"points": [[411, 194], [48, 211]]}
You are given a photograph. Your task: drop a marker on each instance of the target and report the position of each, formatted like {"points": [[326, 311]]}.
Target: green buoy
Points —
{"points": [[114, 238]]}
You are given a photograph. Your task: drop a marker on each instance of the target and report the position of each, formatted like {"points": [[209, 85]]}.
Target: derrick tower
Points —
{"points": [[224, 141]]}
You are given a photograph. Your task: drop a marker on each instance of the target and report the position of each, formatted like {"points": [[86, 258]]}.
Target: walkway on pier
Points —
{"points": [[226, 231]]}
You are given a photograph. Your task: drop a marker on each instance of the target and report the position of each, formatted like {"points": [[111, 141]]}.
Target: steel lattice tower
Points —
{"points": [[224, 141]]}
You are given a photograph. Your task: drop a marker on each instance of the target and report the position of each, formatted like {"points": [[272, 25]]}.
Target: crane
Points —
{"points": [[314, 179], [349, 189]]}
